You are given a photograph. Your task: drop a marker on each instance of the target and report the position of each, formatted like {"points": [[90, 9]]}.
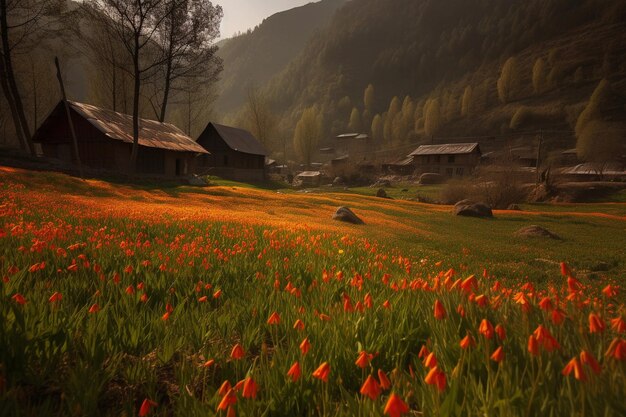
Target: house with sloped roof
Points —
{"points": [[105, 140], [450, 159], [233, 153]]}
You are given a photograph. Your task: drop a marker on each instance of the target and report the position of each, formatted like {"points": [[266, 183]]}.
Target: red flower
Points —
{"points": [[250, 388], [273, 319], [19, 298], [224, 388], [217, 294], [228, 399], [94, 308], [322, 372], [237, 352], [610, 291], [618, 324], [437, 378], [364, 359], [533, 345], [294, 372], [55, 298], [203, 299], [500, 332], [596, 324], [384, 381], [546, 304], [387, 304], [395, 407], [467, 342], [486, 329], [574, 365], [298, 325], [165, 316], [586, 358], [305, 346], [146, 405], [430, 361], [208, 363], [498, 355], [565, 271], [370, 388], [617, 349], [440, 311]]}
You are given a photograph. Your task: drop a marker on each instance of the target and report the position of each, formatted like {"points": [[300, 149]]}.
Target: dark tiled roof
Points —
{"points": [[240, 140]]}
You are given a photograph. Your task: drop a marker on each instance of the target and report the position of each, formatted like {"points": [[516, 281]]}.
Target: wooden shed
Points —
{"points": [[450, 159], [232, 153], [105, 141]]}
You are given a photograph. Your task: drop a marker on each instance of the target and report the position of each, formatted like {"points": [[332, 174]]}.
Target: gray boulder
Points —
{"points": [[381, 193], [471, 208], [344, 214], [536, 231]]}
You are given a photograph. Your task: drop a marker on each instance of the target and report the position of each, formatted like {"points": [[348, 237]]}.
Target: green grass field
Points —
{"points": [[121, 300]]}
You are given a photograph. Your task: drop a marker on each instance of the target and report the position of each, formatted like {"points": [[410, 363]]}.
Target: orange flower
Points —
{"points": [[273, 319], [237, 352], [573, 285], [558, 316], [364, 359], [217, 294], [208, 363], [498, 355], [546, 339], [469, 283], [203, 299], [586, 358], [565, 271], [574, 365], [165, 316], [486, 329], [467, 342], [437, 378], [501, 332], [19, 298], [298, 325], [430, 361], [533, 345], [370, 388], [384, 381], [94, 308], [130, 290], [224, 388], [423, 352], [250, 388], [55, 298], [305, 346], [294, 372], [228, 399], [618, 324], [546, 304], [617, 349], [322, 372], [144, 298], [596, 324], [395, 407], [440, 311], [610, 291], [146, 405], [387, 304], [368, 300]]}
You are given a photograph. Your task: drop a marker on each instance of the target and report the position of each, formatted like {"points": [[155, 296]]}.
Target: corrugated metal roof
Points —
{"points": [[152, 134], [403, 162], [240, 140], [446, 149]]}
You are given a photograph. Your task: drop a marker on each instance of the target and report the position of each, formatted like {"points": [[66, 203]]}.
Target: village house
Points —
{"points": [[232, 153], [457, 159], [105, 140]]}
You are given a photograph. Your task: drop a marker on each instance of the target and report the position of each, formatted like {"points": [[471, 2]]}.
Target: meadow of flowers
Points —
{"points": [[141, 308]]}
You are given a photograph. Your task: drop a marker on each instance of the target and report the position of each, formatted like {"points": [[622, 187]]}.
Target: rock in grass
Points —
{"points": [[344, 214], [472, 209], [381, 193], [536, 231]]}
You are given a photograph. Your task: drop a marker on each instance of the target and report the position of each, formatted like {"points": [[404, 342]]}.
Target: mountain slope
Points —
{"points": [[253, 58], [429, 49]]}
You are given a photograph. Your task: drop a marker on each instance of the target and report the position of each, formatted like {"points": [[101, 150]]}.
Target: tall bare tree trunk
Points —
{"points": [[9, 76], [136, 91], [9, 98]]}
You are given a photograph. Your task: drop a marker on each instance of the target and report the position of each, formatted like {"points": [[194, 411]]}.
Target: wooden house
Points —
{"points": [[105, 140], [232, 153], [453, 159]]}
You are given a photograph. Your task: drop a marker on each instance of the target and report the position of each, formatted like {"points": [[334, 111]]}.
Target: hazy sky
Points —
{"points": [[239, 15]]}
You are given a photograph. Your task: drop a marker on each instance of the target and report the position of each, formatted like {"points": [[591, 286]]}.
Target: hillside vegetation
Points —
{"points": [[452, 54]]}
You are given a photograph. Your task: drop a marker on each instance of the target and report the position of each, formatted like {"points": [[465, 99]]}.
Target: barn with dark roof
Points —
{"points": [[105, 141], [232, 153]]}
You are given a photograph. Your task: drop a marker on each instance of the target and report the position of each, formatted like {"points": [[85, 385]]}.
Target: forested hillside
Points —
{"points": [[253, 58], [444, 63]]}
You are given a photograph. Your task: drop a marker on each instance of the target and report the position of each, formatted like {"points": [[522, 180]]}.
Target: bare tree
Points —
{"points": [[258, 116], [187, 38], [19, 24], [134, 23], [307, 134]]}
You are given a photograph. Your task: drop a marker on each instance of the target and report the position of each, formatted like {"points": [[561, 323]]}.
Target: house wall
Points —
{"points": [[101, 152], [448, 165]]}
